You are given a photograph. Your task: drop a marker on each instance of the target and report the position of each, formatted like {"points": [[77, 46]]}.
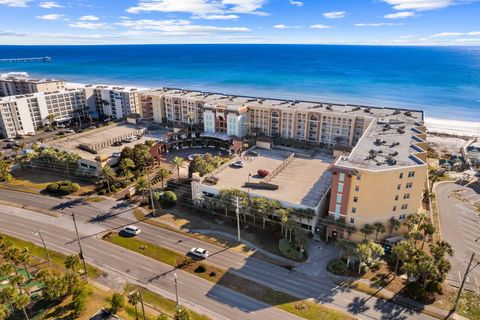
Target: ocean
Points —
{"points": [[443, 81]]}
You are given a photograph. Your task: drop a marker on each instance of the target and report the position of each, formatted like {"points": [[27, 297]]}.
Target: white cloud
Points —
{"points": [[53, 16], [334, 14], [468, 40], [199, 7], [283, 26], [296, 3], [89, 18], [177, 27], [49, 5], [380, 24], [456, 34], [319, 26], [424, 5], [217, 17], [89, 25], [400, 15], [15, 3], [124, 17]]}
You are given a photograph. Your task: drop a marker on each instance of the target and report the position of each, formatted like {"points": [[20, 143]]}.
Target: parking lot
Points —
{"points": [[460, 227]]}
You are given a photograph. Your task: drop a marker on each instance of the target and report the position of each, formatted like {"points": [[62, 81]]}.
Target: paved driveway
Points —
{"points": [[460, 227]]}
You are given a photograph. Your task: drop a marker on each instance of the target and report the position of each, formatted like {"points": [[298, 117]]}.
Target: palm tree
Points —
{"points": [[134, 299], [350, 230], [126, 166], [51, 118], [379, 228], [24, 259], [367, 230], [141, 186], [162, 174], [440, 248], [394, 225], [428, 230], [72, 262], [284, 214], [177, 163], [107, 176]]}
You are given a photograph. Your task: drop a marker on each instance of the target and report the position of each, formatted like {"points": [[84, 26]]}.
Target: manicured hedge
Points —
{"points": [[62, 187], [168, 199], [288, 251]]}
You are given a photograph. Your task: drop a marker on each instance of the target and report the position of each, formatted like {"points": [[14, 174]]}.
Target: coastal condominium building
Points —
{"points": [[111, 101], [383, 177], [12, 84], [23, 114]]}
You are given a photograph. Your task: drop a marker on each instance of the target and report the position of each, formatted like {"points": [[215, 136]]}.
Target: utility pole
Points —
{"points": [[151, 194], [237, 211], [176, 292], [38, 233], [141, 302], [472, 257], [79, 244]]}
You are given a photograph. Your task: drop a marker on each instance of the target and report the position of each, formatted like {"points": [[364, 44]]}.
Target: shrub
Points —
{"points": [[262, 173], [168, 199], [62, 187], [116, 302], [200, 269], [288, 250], [337, 266], [102, 192], [212, 274]]}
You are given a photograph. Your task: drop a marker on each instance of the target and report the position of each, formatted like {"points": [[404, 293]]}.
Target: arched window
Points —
{"points": [[313, 117]]}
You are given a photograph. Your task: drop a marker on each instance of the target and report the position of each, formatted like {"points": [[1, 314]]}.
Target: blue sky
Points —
{"points": [[389, 22]]}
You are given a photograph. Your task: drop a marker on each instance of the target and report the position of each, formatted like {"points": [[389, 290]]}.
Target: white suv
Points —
{"points": [[199, 252], [132, 230]]}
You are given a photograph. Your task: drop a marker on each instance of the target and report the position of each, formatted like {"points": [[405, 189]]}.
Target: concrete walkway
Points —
{"points": [[319, 254]]}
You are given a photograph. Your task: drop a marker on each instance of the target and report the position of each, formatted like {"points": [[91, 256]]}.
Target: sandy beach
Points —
{"points": [[453, 127]]}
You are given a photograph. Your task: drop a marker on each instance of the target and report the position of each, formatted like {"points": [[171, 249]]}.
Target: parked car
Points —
{"points": [[9, 140], [199, 252], [49, 129], [70, 131], [116, 155], [238, 164], [19, 136], [131, 230], [60, 125], [252, 153], [117, 143], [31, 134]]}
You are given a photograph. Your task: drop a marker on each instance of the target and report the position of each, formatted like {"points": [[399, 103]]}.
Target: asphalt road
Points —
{"points": [[459, 224], [95, 218]]}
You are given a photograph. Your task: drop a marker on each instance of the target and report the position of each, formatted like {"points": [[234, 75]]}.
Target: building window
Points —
{"points": [[337, 208], [401, 175], [354, 210], [404, 206], [399, 186], [352, 220], [359, 176], [409, 185], [341, 177], [402, 217], [406, 196], [396, 197], [411, 174], [355, 199], [339, 198], [357, 188], [394, 208], [340, 187]]}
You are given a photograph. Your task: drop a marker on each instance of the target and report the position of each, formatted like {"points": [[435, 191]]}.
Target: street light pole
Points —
{"points": [[79, 244], [176, 292], [151, 194], [44, 246], [141, 302], [472, 257], [237, 211]]}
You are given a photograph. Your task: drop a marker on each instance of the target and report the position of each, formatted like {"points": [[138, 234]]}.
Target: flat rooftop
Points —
{"points": [[24, 77], [387, 143], [72, 142], [303, 181]]}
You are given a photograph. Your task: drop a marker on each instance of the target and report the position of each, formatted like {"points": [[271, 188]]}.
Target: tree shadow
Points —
{"points": [[358, 305]]}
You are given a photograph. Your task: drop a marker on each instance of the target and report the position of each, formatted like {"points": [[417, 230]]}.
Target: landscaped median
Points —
{"points": [[303, 308]]}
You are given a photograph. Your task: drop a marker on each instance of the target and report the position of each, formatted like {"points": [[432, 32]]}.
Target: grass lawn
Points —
{"points": [[303, 308], [57, 258]]}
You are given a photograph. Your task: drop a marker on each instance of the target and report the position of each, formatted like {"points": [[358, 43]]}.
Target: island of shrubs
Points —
{"points": [[62, 187]]}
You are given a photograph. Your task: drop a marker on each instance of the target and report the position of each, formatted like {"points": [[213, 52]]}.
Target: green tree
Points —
{"points": [[177, 163], [107, 175], [126, 166], [8, 295], [24, 259], [182, 314], [367, 230], [79, 299], [117, 302], [367, 253], [428, 230], [379, 228], [441, 248], [72, 262], [394, 225], [162, 174], [350, 229], [134, 299], [142, 158], [402, 251], [127, 153], [347, 249], [5, 174], [162, 316], [284, 214], [141, 186]]}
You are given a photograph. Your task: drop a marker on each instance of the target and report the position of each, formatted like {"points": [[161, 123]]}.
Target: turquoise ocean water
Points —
{"points": [[444, 81]]}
